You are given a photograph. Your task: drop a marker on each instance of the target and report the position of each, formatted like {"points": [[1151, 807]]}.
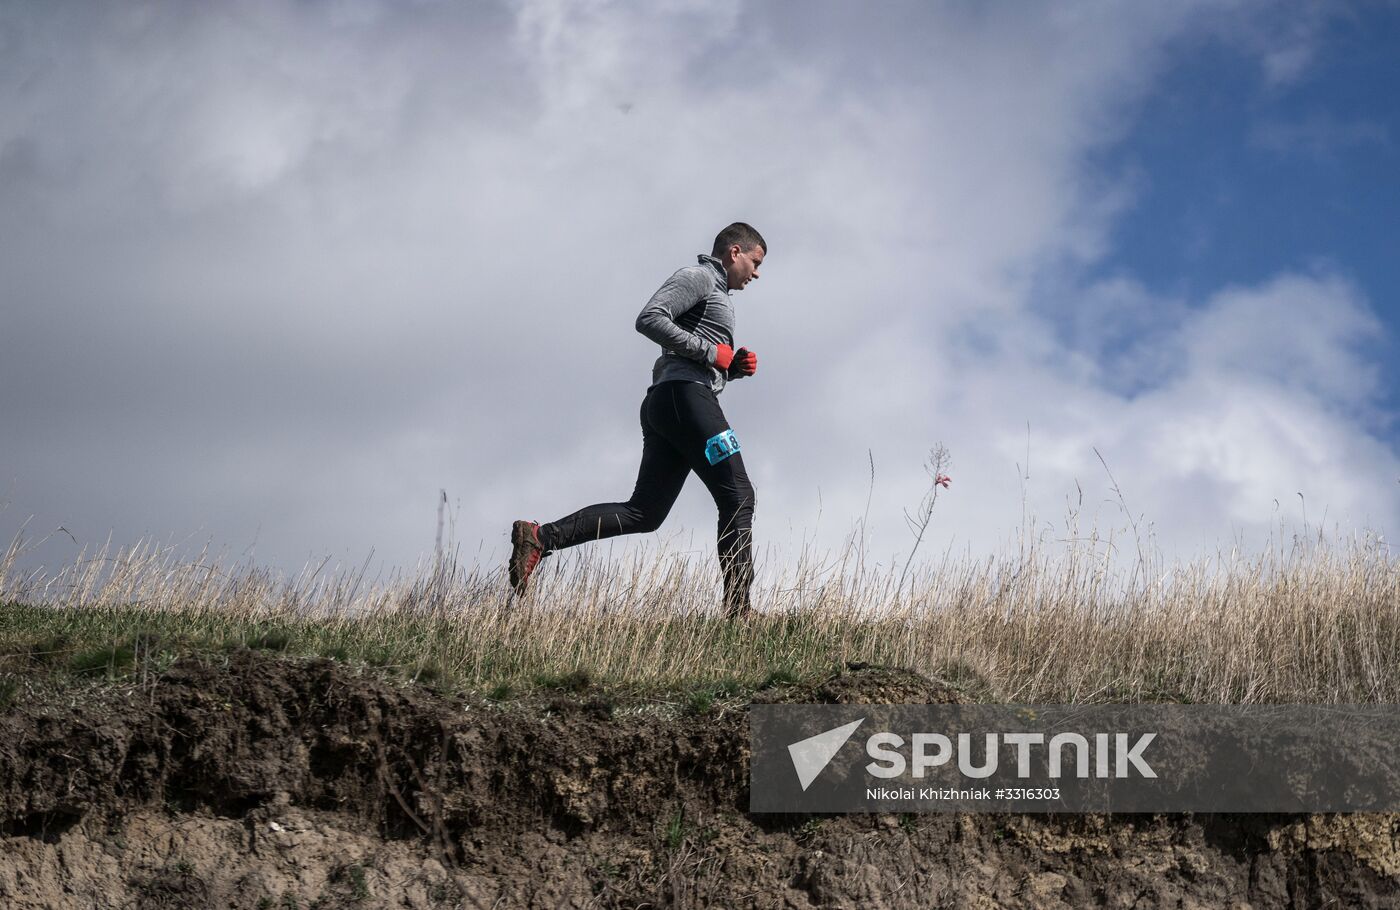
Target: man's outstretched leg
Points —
{"points": [[659, 480], [683, 429]]}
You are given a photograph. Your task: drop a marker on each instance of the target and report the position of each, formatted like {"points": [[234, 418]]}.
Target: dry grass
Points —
{"points": [[1310, 622]]}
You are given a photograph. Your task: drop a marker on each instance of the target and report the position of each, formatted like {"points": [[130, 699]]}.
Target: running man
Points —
{"points": [[683, 428]]}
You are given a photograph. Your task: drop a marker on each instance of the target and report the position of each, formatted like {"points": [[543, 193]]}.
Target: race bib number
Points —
{"points": [[720, 447]]}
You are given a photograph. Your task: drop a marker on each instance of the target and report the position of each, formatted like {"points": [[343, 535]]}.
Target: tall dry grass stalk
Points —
{"points": [[1306, 621]]}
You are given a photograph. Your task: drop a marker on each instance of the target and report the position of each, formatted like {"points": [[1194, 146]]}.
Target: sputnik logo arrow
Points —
{"points": [[814, 753]]}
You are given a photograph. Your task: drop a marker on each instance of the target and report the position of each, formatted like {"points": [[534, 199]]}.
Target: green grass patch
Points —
{"points": [[699, 703], [50, 650], [577, 681], [702, 698], [675, 832], [782, 676], [111, 659], [272, 640]]}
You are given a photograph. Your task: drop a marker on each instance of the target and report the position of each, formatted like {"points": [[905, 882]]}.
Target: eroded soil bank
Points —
{"points": [[266, 782]]}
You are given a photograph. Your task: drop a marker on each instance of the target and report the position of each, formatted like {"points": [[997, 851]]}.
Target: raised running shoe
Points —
{"points": [[525, 554]]}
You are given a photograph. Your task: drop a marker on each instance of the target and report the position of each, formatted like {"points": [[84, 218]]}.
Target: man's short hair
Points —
{"points": [[739, 233]]}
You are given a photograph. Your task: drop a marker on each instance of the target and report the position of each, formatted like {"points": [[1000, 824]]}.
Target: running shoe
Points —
{"points": [[525, 554]]}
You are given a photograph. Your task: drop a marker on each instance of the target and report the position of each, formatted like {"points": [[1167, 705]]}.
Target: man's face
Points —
{"points": [[742, 266]]}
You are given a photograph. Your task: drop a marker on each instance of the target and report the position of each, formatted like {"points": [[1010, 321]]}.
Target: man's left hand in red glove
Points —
{"points": [[745, 364]]}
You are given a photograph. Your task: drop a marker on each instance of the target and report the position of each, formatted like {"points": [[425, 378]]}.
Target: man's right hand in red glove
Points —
{"points": [[745, 363], [724, 356]]}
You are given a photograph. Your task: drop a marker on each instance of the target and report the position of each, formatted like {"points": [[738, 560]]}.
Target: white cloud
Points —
{"points": [[1296, 333], [1267, 393]]}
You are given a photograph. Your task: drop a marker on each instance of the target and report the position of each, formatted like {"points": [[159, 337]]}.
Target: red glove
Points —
{"points": [[724, 356], [745, 363]]}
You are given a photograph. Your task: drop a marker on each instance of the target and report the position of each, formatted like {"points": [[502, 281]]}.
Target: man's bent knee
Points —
{"points": [[648, 521], [741, 507]]}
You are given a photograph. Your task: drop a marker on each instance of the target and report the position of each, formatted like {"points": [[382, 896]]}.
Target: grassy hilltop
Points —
{"points": [[1316, 623]]}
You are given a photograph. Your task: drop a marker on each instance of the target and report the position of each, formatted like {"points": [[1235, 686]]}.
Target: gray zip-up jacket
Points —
{"points": [[689, 316]]}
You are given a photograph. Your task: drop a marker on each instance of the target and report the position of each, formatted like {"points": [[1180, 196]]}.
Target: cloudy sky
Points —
{"points": [[272, 274]]}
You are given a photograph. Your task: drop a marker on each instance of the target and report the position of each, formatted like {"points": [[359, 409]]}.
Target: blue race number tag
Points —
{"points": [[720, 447]]}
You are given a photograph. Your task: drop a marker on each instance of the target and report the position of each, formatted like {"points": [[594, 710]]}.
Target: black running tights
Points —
{"points": [[683, 430]]}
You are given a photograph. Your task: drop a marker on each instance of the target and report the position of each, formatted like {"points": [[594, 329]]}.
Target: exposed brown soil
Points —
{"points": [[273, 783]]}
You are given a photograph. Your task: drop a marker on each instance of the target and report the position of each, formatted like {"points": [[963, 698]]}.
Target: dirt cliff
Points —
{"points": [[265, 782]]}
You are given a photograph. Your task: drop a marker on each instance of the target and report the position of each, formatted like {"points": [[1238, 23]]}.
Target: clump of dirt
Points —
{"points": [[268, 782]]}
